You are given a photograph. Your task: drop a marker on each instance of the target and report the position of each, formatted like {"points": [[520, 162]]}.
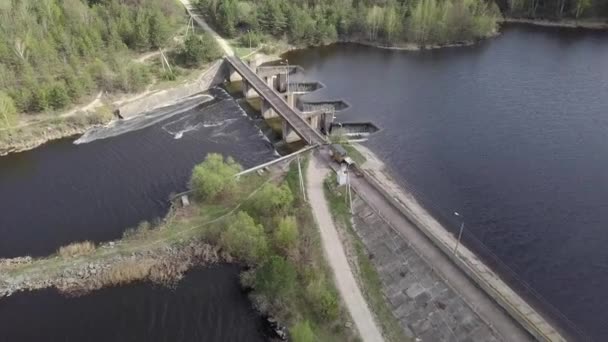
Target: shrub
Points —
{"points": [[285, 236], [77, 249], [323, 299], [275, 279], [8, 112], [127, 272], [214, 176], [271, 199], [199, 49], [301, 332], [244, 238]]}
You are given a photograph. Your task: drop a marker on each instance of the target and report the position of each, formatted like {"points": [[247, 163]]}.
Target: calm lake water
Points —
{"points": [[512, 133], [207, 305]]}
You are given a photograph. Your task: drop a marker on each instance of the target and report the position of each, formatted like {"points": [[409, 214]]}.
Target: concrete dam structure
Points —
{"points": [[267, 84]]}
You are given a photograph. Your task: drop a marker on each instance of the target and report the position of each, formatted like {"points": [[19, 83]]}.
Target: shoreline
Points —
{"points": [[563, 23], [70, 123], [537, 321]]}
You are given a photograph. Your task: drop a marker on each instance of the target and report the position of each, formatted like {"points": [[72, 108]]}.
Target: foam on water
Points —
{"points": [[119, 127]]}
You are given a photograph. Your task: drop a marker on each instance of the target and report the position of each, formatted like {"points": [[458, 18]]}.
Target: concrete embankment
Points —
{"points": [[31, 136], [212, 76], [424, 304], [484, 291]]}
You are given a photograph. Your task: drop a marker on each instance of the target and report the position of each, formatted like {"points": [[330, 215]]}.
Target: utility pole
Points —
{"points": [[165, 61], [349, 191], [302, 188], [460, 233]]}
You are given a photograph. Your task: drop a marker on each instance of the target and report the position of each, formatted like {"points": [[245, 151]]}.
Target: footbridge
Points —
{"points": [[294, 120]]}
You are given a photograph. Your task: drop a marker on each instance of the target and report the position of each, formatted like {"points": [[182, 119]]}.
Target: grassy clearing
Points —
{"points": [[368, 277]]}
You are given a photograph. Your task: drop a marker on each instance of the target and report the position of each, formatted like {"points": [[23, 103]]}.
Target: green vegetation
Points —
{"points": [[368, 276], [54, 53], [214, 177], [274, 233], [392, 22], [22, 137], [355, 154], [77, 249], [558, 9], [7, 110]]}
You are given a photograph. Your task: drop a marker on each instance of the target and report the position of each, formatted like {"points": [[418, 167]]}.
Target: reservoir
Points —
{"points": [[512, 133]]}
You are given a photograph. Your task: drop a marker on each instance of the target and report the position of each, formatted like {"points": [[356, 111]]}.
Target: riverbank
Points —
{"points": [[487, 294], [45, 128], [564, 23], [262, 223]]}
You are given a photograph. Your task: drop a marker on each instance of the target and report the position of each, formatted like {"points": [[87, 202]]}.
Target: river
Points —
{"points": [[117, 176], [207, 305], [511, 133], [95, 188]]}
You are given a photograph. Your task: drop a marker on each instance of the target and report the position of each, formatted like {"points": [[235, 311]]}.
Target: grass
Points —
{"points": [[25, 136], [127, 271], [367, 275], [178, 227], [77, 249], [313, 296], [318, 272], [357, 156]]}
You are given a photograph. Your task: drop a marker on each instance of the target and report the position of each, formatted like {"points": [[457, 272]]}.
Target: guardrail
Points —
{"points": [[490, 282]]}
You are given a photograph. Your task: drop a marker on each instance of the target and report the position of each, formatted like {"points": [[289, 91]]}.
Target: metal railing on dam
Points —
{"points": [[291, 115]]}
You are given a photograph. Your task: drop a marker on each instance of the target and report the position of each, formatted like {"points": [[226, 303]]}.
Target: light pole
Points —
{"points": [[286, 63], [460, 233]]}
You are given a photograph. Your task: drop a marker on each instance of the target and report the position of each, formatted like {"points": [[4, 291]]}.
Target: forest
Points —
{"points": [[557, 9], [390, 22], [55, 52]]}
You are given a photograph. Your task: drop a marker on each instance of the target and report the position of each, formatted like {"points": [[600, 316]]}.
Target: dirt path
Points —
{"points": [[334, 252], [199, 20]]}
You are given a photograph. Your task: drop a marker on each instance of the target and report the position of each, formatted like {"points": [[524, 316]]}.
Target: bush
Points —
{"points": [[285, 237], [58, 96], [8, 112], [127, 271], [271, 200], [275, 279], [199, 49], [323, 300], [214, 176], [301, 332], [77, 249], [251, 38], [244, 239]]}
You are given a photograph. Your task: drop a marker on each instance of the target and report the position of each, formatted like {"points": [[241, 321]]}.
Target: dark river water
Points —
{"points": [[95, 190], [207, 305], [512, 133]]}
